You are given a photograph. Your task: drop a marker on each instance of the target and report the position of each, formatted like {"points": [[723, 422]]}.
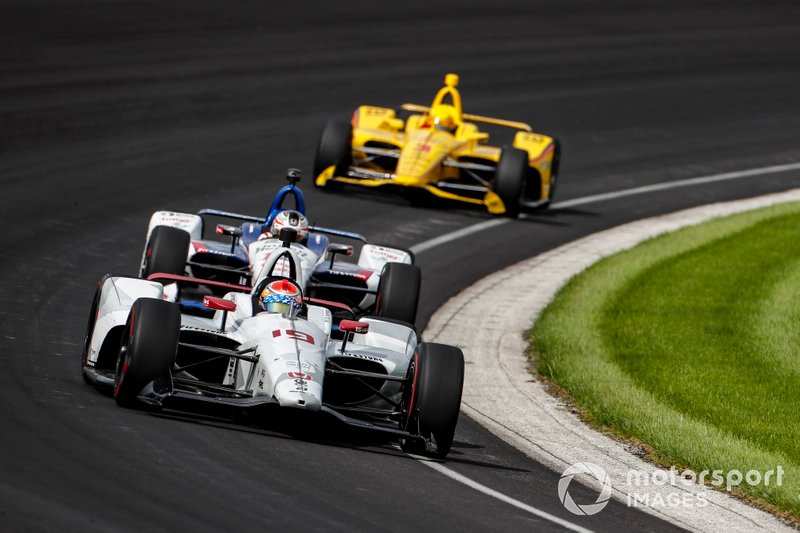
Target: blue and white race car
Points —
{"points": [[383, 282]]}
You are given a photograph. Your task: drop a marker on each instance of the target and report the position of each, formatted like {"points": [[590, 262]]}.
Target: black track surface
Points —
{"points": [[112, 109]]}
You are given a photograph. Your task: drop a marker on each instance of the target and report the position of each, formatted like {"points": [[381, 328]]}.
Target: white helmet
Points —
{"points": [[290, 219]]}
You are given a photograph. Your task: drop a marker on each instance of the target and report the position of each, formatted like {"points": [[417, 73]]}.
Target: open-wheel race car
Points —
{"points": [[383, 282], [439, 149], [270, 348]]}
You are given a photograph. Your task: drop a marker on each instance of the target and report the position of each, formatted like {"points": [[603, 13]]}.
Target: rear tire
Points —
{"points": [[398, 292], [147, 349], [334, 148], [509, 178], [432, 400], [166, 251]]}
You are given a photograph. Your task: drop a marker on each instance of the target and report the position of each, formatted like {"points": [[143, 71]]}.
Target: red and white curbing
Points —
{"points": [[488, 320]]}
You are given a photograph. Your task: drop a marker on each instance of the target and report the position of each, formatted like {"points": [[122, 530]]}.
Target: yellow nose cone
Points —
{"points": [[451, 80]]}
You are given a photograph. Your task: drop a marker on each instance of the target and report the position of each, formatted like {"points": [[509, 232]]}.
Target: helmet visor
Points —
{"points": [[277, 307]]}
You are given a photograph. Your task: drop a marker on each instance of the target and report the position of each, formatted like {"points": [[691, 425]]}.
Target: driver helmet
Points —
{"points": [[290, 219], [444, 118], [281, 296]]}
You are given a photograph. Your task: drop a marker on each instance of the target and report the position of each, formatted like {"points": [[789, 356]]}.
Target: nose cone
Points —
{"points": [[299, 394]]}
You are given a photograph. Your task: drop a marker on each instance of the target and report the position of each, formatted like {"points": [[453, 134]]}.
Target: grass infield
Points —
{"points": [[690, 344]]}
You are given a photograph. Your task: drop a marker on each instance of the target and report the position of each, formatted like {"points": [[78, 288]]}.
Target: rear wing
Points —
{"points": [[474, 118]]}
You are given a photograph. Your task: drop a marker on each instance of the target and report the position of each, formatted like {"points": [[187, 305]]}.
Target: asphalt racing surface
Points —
{"points": [[112, 109]]}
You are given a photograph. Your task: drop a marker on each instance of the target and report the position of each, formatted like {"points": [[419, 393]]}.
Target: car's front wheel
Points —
{"points": [[432, 398], [147, 349]]}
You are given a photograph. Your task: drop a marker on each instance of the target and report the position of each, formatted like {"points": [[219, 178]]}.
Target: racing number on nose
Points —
{"points": [[292, 334]]}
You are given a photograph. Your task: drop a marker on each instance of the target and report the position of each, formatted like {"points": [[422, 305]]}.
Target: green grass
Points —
{"points": [[690, 343]]}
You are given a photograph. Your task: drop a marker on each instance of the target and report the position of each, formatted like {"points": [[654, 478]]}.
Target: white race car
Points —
{"points": [[383, 282], [377, 375]]}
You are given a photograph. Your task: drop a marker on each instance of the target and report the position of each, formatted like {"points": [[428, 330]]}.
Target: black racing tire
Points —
{"points": [[165, 252], [334, 148], [147, 348], [509, 178], [432, 397], [398, 292]]}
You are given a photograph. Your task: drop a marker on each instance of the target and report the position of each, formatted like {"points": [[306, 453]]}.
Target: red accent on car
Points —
{"points": [[353, 326], [220, 231], [364, 274], [159, 276], [292, 334], [545, 153], [300, 375], [414, 385], [328, 303], [299, 335], [199, 247], [122, 375], [219, 304]]}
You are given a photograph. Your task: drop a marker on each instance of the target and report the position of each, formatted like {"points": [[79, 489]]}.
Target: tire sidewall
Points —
{"points": [[509, 178], [166, 251], [434, 402], [398, 292], [334, 148], [148, 347]]}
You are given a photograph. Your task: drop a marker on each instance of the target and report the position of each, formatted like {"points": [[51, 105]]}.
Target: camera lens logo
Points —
{"points": [[590, 508]]}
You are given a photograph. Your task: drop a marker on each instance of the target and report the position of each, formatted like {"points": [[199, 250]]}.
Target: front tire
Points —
{"points": [[147, 349], [432, 398], [166, 252], [509, 179], [398, 292], [334, 148]]}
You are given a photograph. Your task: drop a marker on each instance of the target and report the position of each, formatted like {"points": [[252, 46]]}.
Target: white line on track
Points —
{"points": [[469, 230], [500, 496]]}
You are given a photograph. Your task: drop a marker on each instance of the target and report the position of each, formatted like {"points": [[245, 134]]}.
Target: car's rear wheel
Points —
{"points": [[334, 148], [432, 398], [166, 251], [398, 292], [147, 349], [509, 178]]}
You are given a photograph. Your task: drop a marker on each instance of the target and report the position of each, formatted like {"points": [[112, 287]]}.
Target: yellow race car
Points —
{"points": [[440, 149]]}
